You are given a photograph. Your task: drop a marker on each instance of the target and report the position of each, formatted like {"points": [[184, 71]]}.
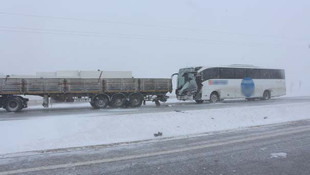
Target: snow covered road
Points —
{"points": [[39, 129], [172, 105], [269, 150]]}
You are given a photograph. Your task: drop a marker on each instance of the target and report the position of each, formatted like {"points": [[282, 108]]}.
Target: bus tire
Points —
{"points": [[214, 97], [14, 104], [266, 95]]}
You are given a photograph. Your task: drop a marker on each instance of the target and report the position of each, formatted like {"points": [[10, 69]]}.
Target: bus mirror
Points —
{"points": [[174, 75]]}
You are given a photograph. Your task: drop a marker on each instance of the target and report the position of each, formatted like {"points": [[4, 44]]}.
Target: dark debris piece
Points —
{"points": [[158, 134], [178, 111]]}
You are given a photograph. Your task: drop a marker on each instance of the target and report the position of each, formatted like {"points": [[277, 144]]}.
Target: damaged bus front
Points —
{"points": [[188, 84]]}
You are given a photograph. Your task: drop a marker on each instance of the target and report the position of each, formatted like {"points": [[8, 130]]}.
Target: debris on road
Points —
{"points": [[179, 111], [158, 134]]}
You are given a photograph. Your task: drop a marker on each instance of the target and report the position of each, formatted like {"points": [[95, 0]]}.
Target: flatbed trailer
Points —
{"points": [[102, 92]]}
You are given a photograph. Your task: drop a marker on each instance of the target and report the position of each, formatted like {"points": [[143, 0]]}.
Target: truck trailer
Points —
{"points": [[102, 91]]}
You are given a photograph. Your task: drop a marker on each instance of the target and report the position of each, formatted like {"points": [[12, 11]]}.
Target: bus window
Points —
{"points": [[227, 73], [266, 74], [272, 74], [282, 74], [253, 73], [211, 73], [240, 73], [276, 74]]}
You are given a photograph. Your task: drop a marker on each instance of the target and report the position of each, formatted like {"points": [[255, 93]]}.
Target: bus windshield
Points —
{"points": [[184, 76]]}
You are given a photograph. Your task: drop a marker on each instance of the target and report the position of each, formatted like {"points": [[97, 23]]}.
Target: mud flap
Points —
{"points": [[157, 103]]}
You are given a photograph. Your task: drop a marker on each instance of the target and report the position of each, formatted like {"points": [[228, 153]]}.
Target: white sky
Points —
{"points": [[154, 38]]}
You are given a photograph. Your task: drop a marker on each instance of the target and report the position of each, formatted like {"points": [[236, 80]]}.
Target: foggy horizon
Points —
{"points": [[154, 38]]}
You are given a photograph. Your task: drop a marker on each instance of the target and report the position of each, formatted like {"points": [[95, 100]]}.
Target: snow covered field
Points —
{"points": [[101, 128]]}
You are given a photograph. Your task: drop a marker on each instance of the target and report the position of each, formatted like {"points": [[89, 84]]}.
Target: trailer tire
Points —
{"points": [[100, 101], [118, 100], [135, 100], [14, 104]]}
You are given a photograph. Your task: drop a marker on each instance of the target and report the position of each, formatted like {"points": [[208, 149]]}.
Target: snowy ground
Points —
{"points": [[99, 128]]}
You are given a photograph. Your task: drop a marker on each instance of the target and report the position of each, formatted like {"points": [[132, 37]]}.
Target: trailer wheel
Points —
{"points": [[14, 104], [100, 101], [135, 100], [118, 100]]}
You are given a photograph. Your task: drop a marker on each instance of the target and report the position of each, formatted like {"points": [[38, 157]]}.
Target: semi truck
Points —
{"points": [[103, 88]]}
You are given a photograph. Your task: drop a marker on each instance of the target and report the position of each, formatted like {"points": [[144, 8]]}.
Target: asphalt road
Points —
{"points": [[267, 150], [149, 108]]}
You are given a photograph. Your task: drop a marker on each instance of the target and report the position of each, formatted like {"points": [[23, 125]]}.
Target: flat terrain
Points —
{"points": [[231, 137], [271, 149]]}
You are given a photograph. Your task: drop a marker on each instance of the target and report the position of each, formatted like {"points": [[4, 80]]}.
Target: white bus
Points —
{"points": [[228, 82]]}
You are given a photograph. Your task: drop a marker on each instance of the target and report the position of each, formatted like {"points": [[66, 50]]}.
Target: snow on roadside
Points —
{"points": [[278, 155], [93, 129]]}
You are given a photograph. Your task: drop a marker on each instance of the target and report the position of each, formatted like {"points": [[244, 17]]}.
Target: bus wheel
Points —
{"points": [[199, 101], [100, 101], [266, 95], [118, 101], [14, 104], [214, 97], [135, 100]]}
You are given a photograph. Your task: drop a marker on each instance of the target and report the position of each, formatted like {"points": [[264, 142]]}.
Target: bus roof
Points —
{"points": [[243, 66]]}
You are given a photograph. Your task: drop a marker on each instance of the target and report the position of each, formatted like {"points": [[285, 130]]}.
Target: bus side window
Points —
{"points": [[240, 73], [227, 73], [282, 74], [253, 73], [211, 73], [277, 74], [266, 74]]}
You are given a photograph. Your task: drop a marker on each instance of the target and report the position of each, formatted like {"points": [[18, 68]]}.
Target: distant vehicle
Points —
{"points": [[109, 88], [229, 82]]}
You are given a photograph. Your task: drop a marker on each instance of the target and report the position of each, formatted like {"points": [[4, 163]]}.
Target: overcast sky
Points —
{"points": [[153, 38]]}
